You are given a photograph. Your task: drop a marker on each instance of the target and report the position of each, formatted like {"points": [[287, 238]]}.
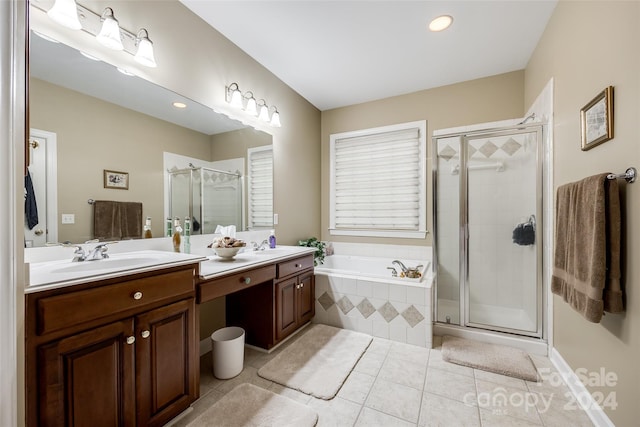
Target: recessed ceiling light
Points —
{"points": [[441, 23], [179, 104]]}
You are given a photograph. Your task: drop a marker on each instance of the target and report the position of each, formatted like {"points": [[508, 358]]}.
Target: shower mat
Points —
{"points": [[494, 358]]}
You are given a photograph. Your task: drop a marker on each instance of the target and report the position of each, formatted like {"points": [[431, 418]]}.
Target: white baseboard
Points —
{"points": [[582, 395]]}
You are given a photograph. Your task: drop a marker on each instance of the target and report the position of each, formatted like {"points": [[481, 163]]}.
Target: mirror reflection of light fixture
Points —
{"points": [[275, 118], [264, 111], [251, 107], [144, 54], [109, 34], [65, 13], [233, 95]]}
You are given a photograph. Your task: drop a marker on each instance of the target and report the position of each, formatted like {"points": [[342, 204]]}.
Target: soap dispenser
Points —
{"points": [[272, 239]]}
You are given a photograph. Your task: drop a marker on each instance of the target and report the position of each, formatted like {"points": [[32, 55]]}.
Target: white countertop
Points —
{"points": [[215, 266], [61, 273]]}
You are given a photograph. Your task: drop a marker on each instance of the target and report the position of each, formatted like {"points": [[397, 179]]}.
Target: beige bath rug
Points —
{"points": [[319, 362], [249, 405], [495, 358]]}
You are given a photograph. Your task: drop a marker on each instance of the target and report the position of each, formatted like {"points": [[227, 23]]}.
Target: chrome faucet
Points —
{"points": [[98, 252], [261, 246], [401, 265]]}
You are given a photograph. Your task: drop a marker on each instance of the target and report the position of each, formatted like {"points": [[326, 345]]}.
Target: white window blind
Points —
{"points": [[260, 187], [378, 183]]}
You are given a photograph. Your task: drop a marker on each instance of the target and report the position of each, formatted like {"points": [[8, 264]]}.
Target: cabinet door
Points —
{"points": [[167, 362], [286, 306], [306, 297], [87, 379]]}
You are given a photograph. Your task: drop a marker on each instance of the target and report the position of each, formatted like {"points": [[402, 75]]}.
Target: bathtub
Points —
{"points": [[359, 293]]}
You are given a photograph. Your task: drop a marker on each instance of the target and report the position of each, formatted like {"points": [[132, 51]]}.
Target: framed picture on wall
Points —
{"points": [[596, 119], [116, 180]]}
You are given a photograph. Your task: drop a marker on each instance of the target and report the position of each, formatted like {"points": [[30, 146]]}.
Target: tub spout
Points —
{"points": [[401, 265]]}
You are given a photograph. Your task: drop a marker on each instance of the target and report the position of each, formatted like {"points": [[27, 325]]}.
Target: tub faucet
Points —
{"points": [[404, 269]]}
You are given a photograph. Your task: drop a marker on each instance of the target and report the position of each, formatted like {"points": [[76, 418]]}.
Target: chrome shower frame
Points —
{"points": [[463, 278]]}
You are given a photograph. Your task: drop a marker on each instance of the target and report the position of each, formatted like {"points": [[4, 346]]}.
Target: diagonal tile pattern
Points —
{"points": [[388, 311], [345, 304], [366, 308], [326, 301], [412, 316]]}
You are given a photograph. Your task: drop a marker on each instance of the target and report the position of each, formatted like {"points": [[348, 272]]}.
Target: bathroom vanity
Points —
{"points": [[121, 345]]}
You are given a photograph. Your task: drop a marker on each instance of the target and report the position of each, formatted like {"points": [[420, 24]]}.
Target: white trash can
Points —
{"points": [[228, 352]]}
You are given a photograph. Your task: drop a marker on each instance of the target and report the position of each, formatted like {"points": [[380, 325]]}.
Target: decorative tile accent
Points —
{"points": [[488, 148], [511, 146], [412, 316], [447, 153], [345, 304], [326, 301], [366, 308], [471, 150], [388, 311]]}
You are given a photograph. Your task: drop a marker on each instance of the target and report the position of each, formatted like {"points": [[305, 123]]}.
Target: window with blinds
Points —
{"points": [[378, 181], [260, 187]]}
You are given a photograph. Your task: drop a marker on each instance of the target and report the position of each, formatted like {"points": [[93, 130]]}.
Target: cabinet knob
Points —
{"points": [[298, 265], [297, 286], [302, 285], [246, 280], [145, 334], [131, 340], [137, 295]]}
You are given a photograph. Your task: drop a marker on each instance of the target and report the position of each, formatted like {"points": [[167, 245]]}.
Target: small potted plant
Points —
{"points": [[312, 242]]}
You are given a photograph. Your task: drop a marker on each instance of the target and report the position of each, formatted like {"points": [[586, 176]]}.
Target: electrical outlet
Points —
{"points": [[275, 219], [68, 218]]}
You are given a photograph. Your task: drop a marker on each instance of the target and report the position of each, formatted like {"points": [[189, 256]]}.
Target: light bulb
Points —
{"points": [[252, 107], [275, 119], [264, 113], [109, 35], [65, 13], [144, 55]]}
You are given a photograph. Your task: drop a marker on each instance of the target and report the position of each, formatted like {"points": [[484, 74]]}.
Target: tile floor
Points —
{"points": [[396, 384]]}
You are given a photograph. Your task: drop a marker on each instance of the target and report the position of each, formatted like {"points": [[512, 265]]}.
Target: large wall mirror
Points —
{"points": [[87, 117]]}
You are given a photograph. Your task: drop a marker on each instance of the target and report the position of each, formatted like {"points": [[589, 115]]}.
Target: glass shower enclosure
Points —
{"points": [[210, 197], [487, 232]]}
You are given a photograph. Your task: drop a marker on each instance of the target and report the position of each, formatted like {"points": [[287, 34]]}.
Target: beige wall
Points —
{"points": [[586, 47], [93, 135], [234, 144], [476, 101]]}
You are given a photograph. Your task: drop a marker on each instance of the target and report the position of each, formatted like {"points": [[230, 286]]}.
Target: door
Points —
{"points": [[501, 181], [88, 379], [286, 302], [167, 362], [43, 172], [306, 297]]}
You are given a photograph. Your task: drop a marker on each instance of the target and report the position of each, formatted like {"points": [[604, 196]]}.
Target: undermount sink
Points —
{"points": [[102, 264], [69, 272]]}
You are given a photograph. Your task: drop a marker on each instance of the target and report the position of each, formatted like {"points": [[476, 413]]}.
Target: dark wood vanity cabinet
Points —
{"points": [[294, 303], [131, 363], [272, 310]]}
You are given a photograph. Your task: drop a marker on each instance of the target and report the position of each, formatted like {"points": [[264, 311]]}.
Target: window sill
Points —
{"points": [[380, 233]]}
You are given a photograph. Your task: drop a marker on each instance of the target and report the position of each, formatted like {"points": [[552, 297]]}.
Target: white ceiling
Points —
{"points": [[337, 53]]}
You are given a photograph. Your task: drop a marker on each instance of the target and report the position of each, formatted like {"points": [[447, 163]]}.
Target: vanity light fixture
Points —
{"points": [[109, 34], [251, 107], [441, 23], [65, 13], [144, 54], [233, 95], [264, 111], [275, 118]]}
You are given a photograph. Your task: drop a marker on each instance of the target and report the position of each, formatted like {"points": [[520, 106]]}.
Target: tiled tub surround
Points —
{"points": [[393, 308]]}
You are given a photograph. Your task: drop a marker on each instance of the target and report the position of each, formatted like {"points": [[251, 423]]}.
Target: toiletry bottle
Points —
{"points": [[147, 229], [272, 239], [169, 229], [187, 235], [177, 231]]}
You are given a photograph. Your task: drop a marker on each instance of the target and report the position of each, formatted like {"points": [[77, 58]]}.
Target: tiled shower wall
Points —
{"points": [[397, 312]]}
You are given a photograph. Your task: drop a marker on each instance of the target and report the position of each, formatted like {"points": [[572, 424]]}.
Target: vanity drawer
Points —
{"points": [[294, 266], [226, 285], [73, 308]]}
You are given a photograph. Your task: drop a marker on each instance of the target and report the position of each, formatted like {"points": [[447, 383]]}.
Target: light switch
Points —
{"points": [[275, 219], [68, 218]]}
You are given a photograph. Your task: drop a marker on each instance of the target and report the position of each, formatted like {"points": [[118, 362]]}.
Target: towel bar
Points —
{"points": [[629, 175]]}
